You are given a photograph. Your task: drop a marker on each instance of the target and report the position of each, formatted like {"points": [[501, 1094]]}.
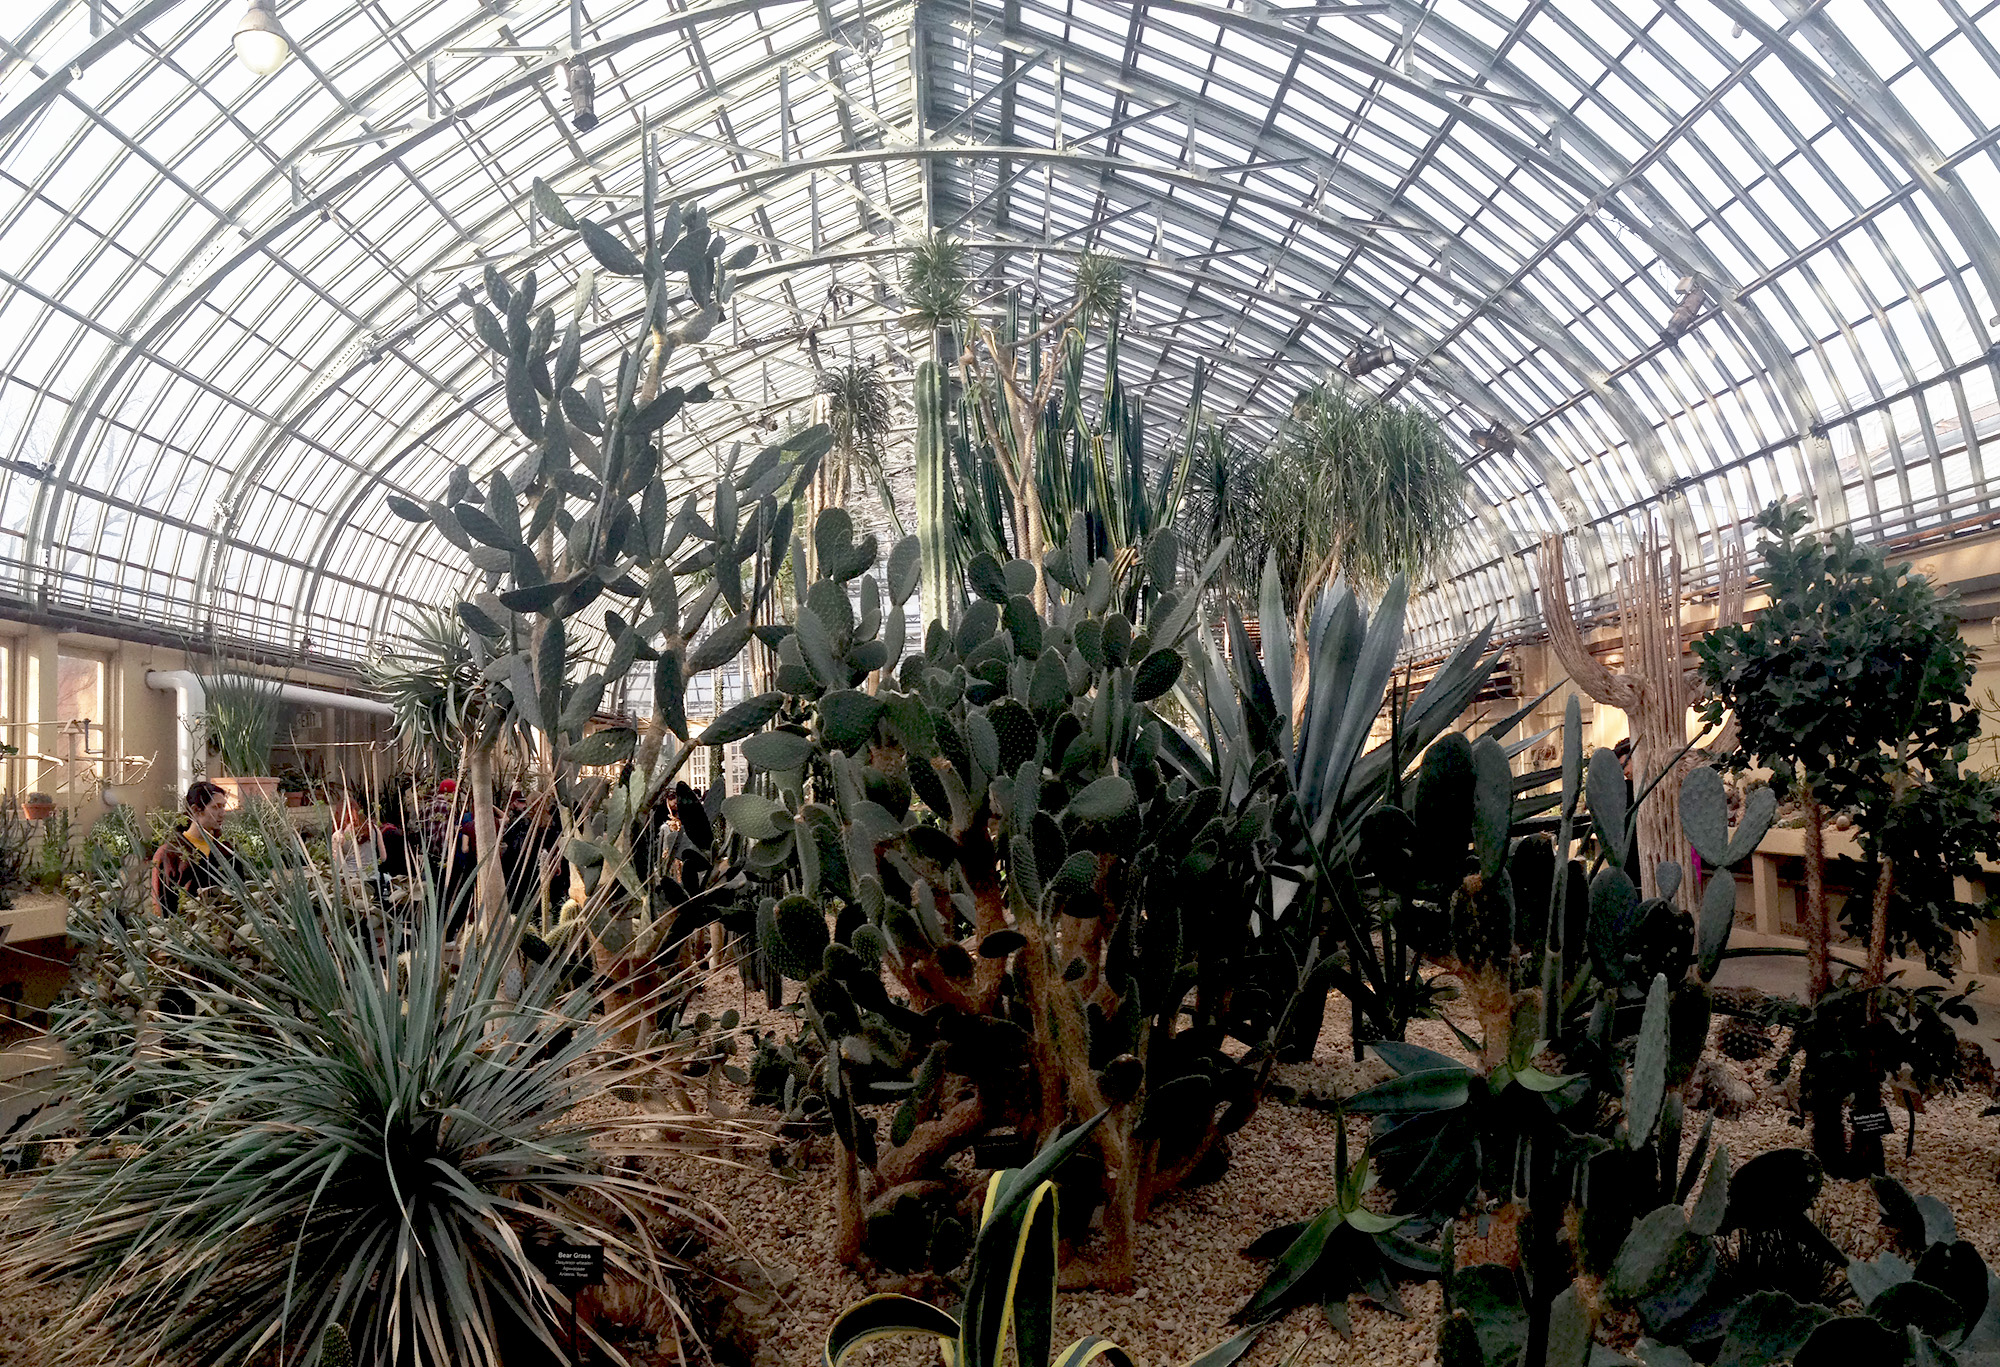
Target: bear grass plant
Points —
{"points": [[320, 1134]]}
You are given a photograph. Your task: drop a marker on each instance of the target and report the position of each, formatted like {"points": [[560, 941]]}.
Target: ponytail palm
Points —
{"points": [[1361, 489]]}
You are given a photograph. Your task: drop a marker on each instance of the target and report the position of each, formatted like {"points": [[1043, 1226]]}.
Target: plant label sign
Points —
{"points": [[1871, 1122], [574, 1266], [1002, 1151]]}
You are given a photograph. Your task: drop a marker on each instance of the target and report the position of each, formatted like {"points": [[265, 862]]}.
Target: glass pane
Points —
{"points": [[79, 688]]}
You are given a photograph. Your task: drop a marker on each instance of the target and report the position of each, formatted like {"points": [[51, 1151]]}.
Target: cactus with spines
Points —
{"points": [[334, 1348], [580, 541], [1004, 906], [1582, 1080]]}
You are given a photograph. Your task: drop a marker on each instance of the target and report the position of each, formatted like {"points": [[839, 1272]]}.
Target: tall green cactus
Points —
{"points": [[585, 521]]}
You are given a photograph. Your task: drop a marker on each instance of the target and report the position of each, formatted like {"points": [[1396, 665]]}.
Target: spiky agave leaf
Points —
{"points": [[336, 1136]]}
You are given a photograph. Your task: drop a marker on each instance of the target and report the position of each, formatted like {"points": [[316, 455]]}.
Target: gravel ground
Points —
{"points": [[1191, 1275]]}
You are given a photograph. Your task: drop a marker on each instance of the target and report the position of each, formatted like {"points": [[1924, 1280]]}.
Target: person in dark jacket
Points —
{"points": [[195, 856]]}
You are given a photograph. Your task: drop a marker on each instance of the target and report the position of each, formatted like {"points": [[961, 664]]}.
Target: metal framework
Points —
{"points": [[1673, 257]]}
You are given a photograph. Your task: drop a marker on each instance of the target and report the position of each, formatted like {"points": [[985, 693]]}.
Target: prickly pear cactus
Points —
{"points": [[1006, 911]]}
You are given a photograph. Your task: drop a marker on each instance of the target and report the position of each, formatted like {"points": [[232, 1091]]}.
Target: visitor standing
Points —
{"points": [[357, 851], [195, 856]]}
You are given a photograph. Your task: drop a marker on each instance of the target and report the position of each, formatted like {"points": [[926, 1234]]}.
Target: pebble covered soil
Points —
{"points": [[1191, 1273], [776, 1248]]}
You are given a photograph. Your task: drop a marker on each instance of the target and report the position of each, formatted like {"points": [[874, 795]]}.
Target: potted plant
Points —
{"points": [[38, 806], [242, 718], [296, 789]]}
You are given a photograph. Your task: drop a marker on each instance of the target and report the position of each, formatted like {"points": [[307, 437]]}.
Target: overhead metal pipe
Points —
{"points": [[191, 700]]}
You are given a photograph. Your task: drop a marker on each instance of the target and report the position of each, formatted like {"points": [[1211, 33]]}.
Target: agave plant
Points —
{"points": [[1010, 1291], [1315, 723], [242, 720], [335, 1137]]}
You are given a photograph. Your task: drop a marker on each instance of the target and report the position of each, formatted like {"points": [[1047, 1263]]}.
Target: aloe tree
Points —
{"points": [[860, 413]]}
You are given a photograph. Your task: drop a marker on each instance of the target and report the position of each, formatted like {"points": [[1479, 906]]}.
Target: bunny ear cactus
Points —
{"points": [[1009, 912], [580, 541]]}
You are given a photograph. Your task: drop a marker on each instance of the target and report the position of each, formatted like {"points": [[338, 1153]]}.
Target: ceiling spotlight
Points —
{"points": [[1493, 440], [260, 44], [1693, 292], [582, 94], [1365, 358]]}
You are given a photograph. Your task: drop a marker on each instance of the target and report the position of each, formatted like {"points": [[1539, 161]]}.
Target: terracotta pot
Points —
{"points": [[38, 811], [295, 800], [243, 790]]}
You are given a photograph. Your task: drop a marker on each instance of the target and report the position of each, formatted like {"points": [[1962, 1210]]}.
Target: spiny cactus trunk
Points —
{"points": [[1128, 1162], [1659, 818], [1818, 933], [1049, 1067], [1486, 990]]}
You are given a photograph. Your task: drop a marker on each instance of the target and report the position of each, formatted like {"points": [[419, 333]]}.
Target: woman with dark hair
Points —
{"points": [[195, 856]]}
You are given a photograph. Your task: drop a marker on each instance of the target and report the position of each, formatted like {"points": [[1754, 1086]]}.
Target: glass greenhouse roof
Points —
{"points": [[1645, 260]]}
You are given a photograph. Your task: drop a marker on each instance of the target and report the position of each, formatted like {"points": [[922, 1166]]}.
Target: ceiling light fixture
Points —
{"points": [[1692, 294], [582, 80], [261, 44], [1365, 358], [1493, 440], [582, 94]]}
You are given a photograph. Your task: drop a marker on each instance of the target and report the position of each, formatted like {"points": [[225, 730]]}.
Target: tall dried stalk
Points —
{"points": [[1656, 686]]}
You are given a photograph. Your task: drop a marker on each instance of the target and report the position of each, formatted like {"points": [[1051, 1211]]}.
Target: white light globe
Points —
{"points": [[259, 44]]}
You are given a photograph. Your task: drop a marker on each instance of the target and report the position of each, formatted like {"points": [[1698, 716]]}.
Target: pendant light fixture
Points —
{"points": [[582, 80], [260, 44]]}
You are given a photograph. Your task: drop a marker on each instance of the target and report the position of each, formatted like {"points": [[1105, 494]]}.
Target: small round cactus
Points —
{"points": [[334, 1348], [1743, 1040]]}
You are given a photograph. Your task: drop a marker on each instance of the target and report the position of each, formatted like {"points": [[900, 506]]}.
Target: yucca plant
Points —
{"points": [[242, 720], [321, 1135], [1010, 1291]]}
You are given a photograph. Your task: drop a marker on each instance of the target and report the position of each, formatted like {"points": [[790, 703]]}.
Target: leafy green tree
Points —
{"points": [[1852, 688]]}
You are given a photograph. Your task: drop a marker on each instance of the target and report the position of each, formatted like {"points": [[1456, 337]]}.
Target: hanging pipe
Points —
{"points": [[191, 700]]}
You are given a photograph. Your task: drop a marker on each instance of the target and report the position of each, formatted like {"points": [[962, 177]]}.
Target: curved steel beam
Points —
{"points": [[324, 380], [119, 358]]}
